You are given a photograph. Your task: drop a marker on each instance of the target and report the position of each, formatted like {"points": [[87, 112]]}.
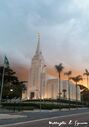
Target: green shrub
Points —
{"points": [[36, 105]]}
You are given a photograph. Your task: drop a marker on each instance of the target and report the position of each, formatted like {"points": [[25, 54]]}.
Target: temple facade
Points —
{"points": [[38, 75], [42, 85], [52, 90]]}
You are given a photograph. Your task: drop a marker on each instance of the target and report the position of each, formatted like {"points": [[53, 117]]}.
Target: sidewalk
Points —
{"points": [[5, 114], [8, 116]]}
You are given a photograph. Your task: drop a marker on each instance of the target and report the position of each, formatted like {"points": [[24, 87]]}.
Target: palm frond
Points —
{"points": [[86, 72], [68, 73], [59, 67], [77, 78]]}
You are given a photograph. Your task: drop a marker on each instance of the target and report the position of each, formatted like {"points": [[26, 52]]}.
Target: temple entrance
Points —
{"points": [[32, 95]]}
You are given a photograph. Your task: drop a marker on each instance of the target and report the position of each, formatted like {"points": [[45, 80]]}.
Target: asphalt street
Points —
{"points": [[73, 118]]}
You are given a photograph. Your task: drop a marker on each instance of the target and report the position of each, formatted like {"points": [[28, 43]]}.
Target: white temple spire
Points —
{"points": [[38, 44]]}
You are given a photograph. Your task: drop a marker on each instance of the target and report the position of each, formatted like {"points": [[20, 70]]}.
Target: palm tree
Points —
{"points": [[68, 75], [76, 79], [87, 74], [59, 69], [84, 94]]}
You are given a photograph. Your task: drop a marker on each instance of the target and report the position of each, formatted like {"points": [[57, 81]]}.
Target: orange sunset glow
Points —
{"points": [[23, 73], [53, 72]]}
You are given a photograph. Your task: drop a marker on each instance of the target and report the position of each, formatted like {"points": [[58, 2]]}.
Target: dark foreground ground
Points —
{"points": [[72, 118]]}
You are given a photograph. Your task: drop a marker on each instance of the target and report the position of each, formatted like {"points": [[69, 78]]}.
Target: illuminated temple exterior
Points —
{"points": [[42, 85]]}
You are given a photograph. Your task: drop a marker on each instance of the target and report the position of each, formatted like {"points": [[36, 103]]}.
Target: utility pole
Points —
{"points": [[2, 84]]}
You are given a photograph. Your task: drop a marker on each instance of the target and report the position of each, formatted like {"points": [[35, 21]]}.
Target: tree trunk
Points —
{"points": [[87, 81], [59, 85], [76, 94], [69, 92]]}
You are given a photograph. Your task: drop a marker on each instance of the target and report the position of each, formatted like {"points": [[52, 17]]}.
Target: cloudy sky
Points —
{"points": [[63, 25]]}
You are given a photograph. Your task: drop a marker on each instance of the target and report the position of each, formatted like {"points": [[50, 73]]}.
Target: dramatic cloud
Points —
{"points": [[64, 28]]}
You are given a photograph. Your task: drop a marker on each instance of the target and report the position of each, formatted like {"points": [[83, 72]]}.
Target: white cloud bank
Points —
{"points": [[64, 27]]}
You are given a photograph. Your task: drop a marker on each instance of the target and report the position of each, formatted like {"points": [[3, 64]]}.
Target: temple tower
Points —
{"points": [[37, 74]]}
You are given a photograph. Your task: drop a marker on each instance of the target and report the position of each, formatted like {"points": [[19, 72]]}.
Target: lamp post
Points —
{"points": [[2, 84], [11, 90]]}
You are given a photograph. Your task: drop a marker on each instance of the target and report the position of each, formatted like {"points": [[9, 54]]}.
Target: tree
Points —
{"points": [[84, 93], [12, 86], [59, 69], [85, 96], [76, 79], [87, 74], [68, 75]]}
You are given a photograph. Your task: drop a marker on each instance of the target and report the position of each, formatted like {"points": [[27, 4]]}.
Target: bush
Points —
{"points": [[36, 105]]}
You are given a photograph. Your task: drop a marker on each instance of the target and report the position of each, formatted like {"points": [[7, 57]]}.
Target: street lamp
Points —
{"points": [[11, 90]]}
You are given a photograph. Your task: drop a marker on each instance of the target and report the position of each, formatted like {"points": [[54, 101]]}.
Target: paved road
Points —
{"points": [[76, 118]]}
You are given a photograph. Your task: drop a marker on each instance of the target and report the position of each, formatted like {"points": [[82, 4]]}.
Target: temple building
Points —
{"points": [[42, 85], [38, 75]]}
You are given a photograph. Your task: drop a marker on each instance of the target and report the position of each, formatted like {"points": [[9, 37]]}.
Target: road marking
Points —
{"points": [[38, 120]]}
